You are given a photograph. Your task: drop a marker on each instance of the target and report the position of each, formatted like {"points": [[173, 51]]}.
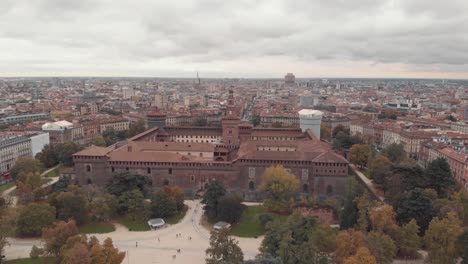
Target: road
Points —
{"points": [[149, 249]]}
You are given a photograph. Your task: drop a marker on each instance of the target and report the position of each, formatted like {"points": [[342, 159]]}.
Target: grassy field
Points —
{"points": [[138, 225], [177, 217], [249, 225], [57, 171], [7, 186], [31, 261], [97, 228]]}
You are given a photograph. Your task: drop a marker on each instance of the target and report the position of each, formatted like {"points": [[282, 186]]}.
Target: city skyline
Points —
{"points": [[242, 39]]}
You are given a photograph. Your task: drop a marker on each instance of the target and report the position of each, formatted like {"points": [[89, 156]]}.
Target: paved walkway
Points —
{"points": [[150, 249], [369, 184]]}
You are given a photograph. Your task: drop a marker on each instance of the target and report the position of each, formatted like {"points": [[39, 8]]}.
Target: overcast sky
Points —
{"points": [[240, 38]]}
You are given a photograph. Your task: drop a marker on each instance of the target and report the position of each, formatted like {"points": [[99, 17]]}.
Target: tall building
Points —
{"points": [[128, 92], [13, 146], [289, 79]]}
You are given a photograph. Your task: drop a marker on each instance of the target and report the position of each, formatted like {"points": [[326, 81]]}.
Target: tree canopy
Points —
{"points": [[360, 154], [214, 191], [124, 182], [223, 249], [440, 177], [33, 218]]}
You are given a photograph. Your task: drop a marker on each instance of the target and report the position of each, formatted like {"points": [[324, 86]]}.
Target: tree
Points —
{"points": [[124, 182], [99, 141], [394, 152], [264, 259], [379, 169], [382, 218], [349, 214], [90, 250], [416, 204], [109, 135], [338, 129], [223, 249], [214, 191], [36, 252], [381, 246], [103, 208], [132, 203], [359, 155], [364, 203], [230, 208], [440, 177], [256, 120], [299, 240], [55, 237], [347, 244], [112, 254], [56, 153], [344, 141], [176, 194], [403, 178], [441, 238], [409, 242], [137, 128], [278, 184], [162, 205], [462, 243], [33, 218], [24, 166], [200, 121], [69, 205], [362, 256], [325, 133], [78, 254], [29, 187]]}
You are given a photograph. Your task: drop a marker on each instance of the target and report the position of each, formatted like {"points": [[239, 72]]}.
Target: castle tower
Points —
{"points": [[230, 122]]}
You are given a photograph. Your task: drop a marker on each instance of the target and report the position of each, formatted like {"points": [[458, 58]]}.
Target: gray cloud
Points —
{"points": [[89, 36]]}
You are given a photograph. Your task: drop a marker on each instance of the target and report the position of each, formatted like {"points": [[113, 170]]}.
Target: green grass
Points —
{"points": [[31, 261], [97, 228], [7, 186], [177, 217], [249, 225], [56, 172], [138, 225]]}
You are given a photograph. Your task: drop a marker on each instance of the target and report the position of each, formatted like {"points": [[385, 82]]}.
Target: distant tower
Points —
{"points": [[198, 79], [289, 79], [310, 119]]}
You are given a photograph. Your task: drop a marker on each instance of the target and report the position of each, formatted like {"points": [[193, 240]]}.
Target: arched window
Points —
{"points": [[251, 185], [112, 169], [305, 188], [329, 190], [89, 181], [88, 168], [148, 170], [166, 182]]}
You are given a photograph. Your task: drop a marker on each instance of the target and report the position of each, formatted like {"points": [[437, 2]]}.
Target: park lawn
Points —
{"points": [[7, 186], [56, 172], [177, 217], [97, 228], [138, 225], [249, 225], [48, 260]]}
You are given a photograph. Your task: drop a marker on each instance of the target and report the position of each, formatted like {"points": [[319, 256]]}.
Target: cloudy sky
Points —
{"points": [[239, 38]]}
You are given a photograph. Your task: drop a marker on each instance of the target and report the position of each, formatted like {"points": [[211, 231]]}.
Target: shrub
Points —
{"points": [[264, 219]]}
